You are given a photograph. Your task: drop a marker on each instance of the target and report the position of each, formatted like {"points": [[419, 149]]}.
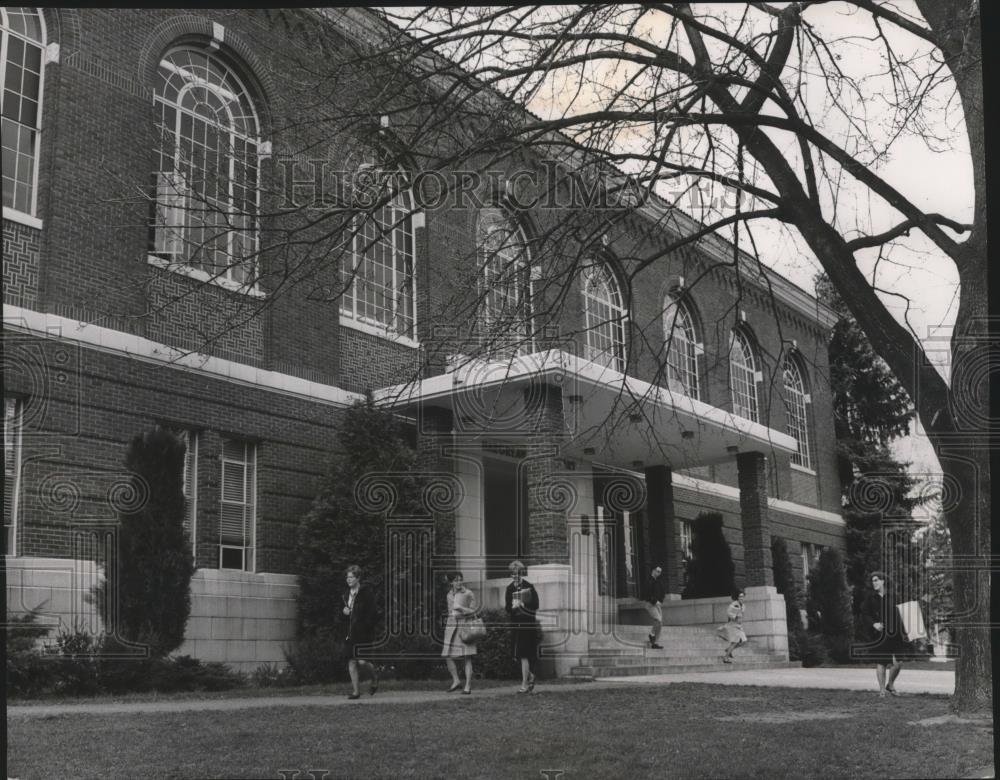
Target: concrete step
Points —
{"points": [[665, 656], [703, 665]]}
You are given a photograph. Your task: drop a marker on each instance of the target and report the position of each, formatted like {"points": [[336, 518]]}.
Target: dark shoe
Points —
{"points": [[467, 692], [524, 690], [654, 646], [454, 687], [892, 691], [354, 696], [727, 659]]}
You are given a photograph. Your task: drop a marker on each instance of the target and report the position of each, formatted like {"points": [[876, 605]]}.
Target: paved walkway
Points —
{"points": [[860, 679], [910, 682]]}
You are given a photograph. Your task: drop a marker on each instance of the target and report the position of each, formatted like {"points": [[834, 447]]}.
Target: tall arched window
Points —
{"points": [[796, 401], [604, 317], [743, 377], [503, 287], [22, 40], [207, 190], [378, 287], [682, 347]]}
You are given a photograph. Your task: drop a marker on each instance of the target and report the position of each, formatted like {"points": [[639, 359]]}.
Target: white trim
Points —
{"points": [[115, 342], [13, 215], [52, 54], [803, 469], [535, 365], [348, 322], [204, 276], [727, 491]]}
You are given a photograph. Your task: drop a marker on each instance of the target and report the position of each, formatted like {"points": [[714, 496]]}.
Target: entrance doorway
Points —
{"points": [[505, 514], [621, 568]]}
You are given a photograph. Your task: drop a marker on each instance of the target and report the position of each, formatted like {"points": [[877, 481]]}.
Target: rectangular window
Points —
{"points": [[238, 512], [11, 471], [190, 439]]}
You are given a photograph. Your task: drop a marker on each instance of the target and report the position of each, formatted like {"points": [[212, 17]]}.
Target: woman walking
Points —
{"points": [[462, 608], [733, 631], [886, 644], [521, 603], [360, 617]]}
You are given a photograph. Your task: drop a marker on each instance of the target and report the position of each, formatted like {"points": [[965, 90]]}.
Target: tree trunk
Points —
{"points": [[969, 524]]}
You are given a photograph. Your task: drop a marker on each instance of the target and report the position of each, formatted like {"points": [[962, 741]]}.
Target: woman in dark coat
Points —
{"points": [[359, 617], [521, 603], [886, 645]]}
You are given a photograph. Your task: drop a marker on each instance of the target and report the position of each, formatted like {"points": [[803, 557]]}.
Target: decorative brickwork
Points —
{"points": [[203, 317], [368, 362], [20, 263]]}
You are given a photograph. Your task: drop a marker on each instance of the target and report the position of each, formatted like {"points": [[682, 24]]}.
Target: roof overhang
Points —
{"points": [[608, 416]]}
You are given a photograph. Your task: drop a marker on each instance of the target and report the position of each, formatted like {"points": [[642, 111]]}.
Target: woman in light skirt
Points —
{"points": [[733, 632], [462, 608]]}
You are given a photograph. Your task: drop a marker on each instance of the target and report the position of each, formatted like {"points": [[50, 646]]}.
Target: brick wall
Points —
{"points": [[74, 444]]}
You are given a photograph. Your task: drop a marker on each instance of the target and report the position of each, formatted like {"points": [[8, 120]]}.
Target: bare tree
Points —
{"points": [[767, 101], [774, 105]]}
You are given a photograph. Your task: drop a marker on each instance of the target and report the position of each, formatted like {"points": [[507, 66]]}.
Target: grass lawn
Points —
{"points": [[676, 731]]}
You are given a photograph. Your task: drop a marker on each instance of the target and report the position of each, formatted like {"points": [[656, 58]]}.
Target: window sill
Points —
{"points": [[802, 469], [12, 215], [374, 330], [203, 276]]}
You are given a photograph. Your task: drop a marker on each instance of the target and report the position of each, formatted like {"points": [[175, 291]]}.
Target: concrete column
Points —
{"points": [[547, 542], [663, 547], [752, 473]]}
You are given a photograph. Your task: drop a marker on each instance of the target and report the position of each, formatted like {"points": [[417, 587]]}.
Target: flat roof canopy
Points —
{"points": [[608, 417]]}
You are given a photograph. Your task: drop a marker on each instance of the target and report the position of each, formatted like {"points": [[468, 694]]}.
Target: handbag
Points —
{"points": [[472, 630], [913, 620]]}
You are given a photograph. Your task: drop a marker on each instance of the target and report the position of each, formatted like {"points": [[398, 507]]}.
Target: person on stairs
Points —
{"points": [[656, 591]]}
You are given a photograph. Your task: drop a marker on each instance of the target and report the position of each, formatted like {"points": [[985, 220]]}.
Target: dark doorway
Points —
{"points": [[505, 514]]}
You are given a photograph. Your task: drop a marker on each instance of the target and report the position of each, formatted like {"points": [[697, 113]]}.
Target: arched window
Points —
{"points": [[743, 377], [796, 401], [682, 347], [207, 190], [604, 317], [503, 287], [378, 285], [22, 39]]}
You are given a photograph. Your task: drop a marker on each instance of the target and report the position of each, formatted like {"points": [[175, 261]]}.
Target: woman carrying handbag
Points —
{"points": [[461, 631]]}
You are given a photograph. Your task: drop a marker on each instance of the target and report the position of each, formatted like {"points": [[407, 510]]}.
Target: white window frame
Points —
{"points": [[743, 370], [515, 283], [683, 348], [248, 465], [797, 411], [686, 535], [399, 228], [605, 318], [11, 212], [12, 439], [172, 224], [191, 439]]}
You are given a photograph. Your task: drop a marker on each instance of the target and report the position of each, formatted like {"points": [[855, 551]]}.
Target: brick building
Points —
{"points": [[585, 409]]}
